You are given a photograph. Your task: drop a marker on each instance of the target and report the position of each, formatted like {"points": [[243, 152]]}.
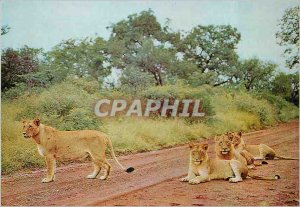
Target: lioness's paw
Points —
{"points": [[47, 180], [185, 179], [103, 177], [194, 181], [235, 180], [91, 176]]}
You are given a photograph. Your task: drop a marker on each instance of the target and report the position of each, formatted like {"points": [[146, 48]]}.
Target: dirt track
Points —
{"points": [[156, 180]]}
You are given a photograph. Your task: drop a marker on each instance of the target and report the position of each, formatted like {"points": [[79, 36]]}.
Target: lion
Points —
{"points": [[259, 152], [54, 145], [225, 151], [204, 169]]}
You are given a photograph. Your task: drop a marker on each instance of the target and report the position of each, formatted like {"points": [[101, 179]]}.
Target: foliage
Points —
{"points": [[286, 86], [140, 42], [62, 105], [133, 80], [255, 74], [288, 36], [212, 49], [81, 58], [284, 110], [15, 63]]}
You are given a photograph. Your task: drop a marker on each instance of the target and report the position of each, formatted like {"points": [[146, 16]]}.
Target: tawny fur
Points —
{"points": [[259, 152], [69, 145], [225, 150], [203, 169]]}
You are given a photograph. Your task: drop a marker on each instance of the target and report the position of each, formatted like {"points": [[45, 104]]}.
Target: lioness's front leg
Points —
{"points": [[51, 163], [199, 179], [190, 176], [238, 168], [203, 177]]}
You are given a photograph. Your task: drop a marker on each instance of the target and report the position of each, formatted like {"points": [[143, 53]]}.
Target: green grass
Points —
{"points": [[68, 106]]}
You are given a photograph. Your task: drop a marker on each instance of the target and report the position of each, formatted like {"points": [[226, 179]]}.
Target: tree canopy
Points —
{"points": [[288, 36]]}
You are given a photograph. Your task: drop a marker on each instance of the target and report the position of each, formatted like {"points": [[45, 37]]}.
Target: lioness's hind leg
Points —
{"points": [[266, 152], [107, 168], [96, 171], [239, 170]]}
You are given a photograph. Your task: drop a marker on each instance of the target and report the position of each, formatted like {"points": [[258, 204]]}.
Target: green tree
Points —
{"points": [[255, 74], [133, 80], [15, 64], [288, 36], [82, 58], [287, 86], [140, 42], [212, 49]]}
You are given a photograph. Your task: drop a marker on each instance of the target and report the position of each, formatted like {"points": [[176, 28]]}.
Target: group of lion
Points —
{"points": [[234, 157], [233, 160]]}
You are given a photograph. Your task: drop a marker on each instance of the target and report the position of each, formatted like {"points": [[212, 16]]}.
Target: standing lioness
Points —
{"points": [[54, 144]]}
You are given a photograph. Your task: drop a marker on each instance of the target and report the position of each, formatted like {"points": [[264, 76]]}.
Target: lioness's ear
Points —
{"points": [[205, 146], [240, 133], [37, 122], [191, 145]]}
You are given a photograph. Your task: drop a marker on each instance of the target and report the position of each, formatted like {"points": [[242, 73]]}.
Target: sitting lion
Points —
{"points": [[259, 152], [54, 144], [203, 169], [225, 151]]}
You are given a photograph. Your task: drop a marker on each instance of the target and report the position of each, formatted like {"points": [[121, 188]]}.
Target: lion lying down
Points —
{"points": [[54, 144], [203, 169]]}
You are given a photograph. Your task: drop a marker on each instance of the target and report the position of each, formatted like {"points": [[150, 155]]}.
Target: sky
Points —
{"points": [[44, 24]]}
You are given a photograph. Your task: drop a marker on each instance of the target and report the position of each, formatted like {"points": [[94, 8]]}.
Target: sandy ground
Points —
{"points": [[156, 180]]}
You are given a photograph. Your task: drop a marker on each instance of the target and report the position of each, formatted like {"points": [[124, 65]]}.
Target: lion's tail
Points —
{"points": [[286, 158], [128, 170], [276, 177]]}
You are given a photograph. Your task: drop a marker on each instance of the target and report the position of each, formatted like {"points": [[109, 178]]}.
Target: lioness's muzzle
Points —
{"points": [[225, 152], [25, 135]]}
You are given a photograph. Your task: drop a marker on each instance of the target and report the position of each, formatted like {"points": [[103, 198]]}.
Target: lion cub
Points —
{"points": [[202, 168], [259, 152]]}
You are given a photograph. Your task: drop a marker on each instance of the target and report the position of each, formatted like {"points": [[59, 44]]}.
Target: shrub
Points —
{"points": [[285, 110], [180, 91], [79, 119], [58, 106]]}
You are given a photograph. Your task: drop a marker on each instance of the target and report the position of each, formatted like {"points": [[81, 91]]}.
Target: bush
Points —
{"points": [[79, 119], [180, 91], [285, 110], [62, 105], [262, 108]]}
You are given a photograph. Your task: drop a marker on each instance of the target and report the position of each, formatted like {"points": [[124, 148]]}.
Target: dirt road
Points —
{"points": [[156, 180]]}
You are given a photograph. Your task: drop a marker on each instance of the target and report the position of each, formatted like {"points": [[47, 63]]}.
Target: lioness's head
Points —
{"points": [[198, 153], [234, 137], [223, 144], [31, 128]]}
